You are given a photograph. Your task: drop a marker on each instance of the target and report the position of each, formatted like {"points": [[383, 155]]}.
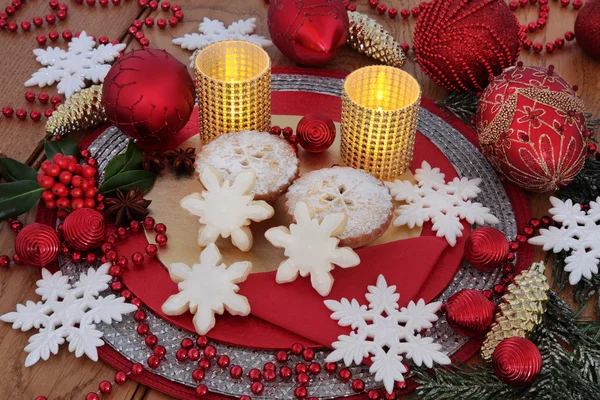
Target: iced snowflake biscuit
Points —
{"points": [[272, 158], [365, 200], [312, 248], [226, 209], [207, 289]]}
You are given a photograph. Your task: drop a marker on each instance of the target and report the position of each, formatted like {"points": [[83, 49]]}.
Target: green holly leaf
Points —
{"points": [[129, 161], [128, 180], [65, 146], [18, 197], [13, 170]]}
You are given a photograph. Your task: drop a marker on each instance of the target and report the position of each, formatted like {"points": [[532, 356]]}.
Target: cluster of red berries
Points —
{"points": [[69, 184]]}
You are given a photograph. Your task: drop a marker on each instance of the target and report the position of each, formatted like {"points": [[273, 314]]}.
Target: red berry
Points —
{"points": [[77, 204], [53, 170], [63, 203], [89, 171], [47, 195], [89, 203], [65, 177]]}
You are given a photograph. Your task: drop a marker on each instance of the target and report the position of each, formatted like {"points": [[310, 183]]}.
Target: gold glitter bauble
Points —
{"points": [[521, 308], [80, 111], [370, 38]]}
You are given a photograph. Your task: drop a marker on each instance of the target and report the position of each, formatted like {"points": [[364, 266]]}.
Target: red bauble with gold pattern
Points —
{"points": [[37, 245], [469, 312], [517, 361], [148, 94], [587, 28], [531, 127], [459, 44], [310, 32], [84, 229]]}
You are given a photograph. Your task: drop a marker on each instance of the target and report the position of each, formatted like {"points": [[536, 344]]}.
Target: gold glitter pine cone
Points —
{"points": [[370, 38], [521, 308], [80, 111]]}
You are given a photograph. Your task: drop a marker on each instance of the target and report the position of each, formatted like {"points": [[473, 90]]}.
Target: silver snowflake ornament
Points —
{"points": [[385, 334], [72, 68], [579, 233], [444, 204], [68, 312]]}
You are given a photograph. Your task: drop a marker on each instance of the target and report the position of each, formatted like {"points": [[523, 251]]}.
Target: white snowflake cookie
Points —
{"points": [[207, 289], [445, 204], [68, 312], [384, 334], [579, 233], [312, 248], [226, 209], [73, 67]]}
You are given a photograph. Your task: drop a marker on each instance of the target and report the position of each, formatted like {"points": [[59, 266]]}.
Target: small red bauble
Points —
{"points": [[84, 229], [310, 32], [486, 248], [531, 127], [315, 132], [469, 312], [517, 361], [587, 28], [459, 44], [141, 82], [37, 245]]}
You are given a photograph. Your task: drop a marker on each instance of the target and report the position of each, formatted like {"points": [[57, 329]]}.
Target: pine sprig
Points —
{"points": [[586, 185], [462, 105]]}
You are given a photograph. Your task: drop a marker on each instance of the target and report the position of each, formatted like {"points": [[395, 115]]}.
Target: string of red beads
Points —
{"points": [[60, 14], [135, 30], [35, 115]]}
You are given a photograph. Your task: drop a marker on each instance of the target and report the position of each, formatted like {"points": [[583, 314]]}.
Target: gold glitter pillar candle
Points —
{"points": [[380, 107], [233, 81]]}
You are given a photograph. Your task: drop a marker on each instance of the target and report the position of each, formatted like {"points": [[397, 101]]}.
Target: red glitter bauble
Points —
{"points": [[459, 44], [486, 248], [148, 94], [310, 32], [315, 132], [84, 229], [469, 312], [587, 28], [532, 128], [37, 245], [517, 361]]}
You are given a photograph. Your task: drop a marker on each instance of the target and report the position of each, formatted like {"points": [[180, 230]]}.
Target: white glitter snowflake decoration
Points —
{"points": [[208, 288], [312, 248], [445, 204], [384, 334], [579, 234], [72, 68], [212, 31], [68, 312]]}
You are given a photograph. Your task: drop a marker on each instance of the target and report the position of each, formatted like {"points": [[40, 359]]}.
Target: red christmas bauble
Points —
{"points": [[517, 361], [469, 312], [531, 127], [486, 248], [587, 28], [84, 229], [459, 44], [148, 94], [37, 245], [315, 132], [310, 32]]}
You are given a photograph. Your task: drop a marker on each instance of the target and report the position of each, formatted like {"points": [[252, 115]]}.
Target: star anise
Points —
{"points": [[126, 207], [182, 160], [154, 162]]}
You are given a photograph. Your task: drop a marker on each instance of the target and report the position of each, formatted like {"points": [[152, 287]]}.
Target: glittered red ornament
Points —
{"points": [[84, 229], [486, 248], [469, 312], [148, 94], [37, 245], [587, 28], [531, 127], [459, 44], [517, 361], [315, 132], [310, 32]]}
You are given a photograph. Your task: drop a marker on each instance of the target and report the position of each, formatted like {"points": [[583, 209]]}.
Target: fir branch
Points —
{"points": [[462, 105], [586, 185]]}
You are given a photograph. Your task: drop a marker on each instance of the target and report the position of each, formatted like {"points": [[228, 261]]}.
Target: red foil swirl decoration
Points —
{"points": [[469, 312], [486, 248], [517, 361], [37, 245], [315, 132], [84, 229]]}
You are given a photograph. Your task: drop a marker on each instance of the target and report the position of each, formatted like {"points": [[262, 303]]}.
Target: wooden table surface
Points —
{"points": [[65, 377]]}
